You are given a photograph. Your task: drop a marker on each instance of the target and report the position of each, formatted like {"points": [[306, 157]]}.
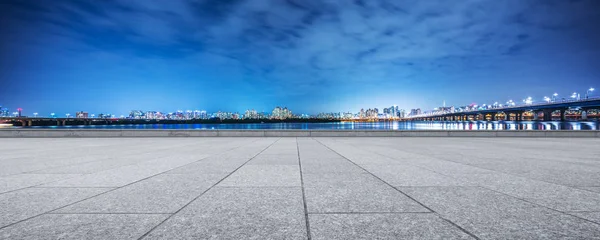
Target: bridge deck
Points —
{"points": [[274, 188]]}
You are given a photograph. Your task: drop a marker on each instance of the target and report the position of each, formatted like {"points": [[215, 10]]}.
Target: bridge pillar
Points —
{"points": [[584, 114], [547, 115], [494, 116], [536, 116], [563, 117], [64, 122]]}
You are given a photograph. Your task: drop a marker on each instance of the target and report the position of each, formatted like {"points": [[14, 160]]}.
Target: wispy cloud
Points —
{"points": [[300, 47]]}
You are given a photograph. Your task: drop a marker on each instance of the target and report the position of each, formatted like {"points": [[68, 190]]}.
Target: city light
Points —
{"points": [[283, 113], [547, 99]]}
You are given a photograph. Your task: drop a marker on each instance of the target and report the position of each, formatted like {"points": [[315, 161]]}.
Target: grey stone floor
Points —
{"points": [[299, 188]]}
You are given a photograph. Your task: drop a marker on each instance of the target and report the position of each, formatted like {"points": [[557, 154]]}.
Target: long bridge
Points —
{"points": [[538, 111]]}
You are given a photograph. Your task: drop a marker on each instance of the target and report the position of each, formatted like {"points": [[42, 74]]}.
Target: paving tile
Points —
{"points": [[554, 196], [13, 182], [347, 193], [491, 215], [593, 189], [83, 226], [275, 159], [383, 226], [330, 167], [592, 216], [239, 213], [127, 174], [165, 193], [406, 175], [264, 176], [29, 202], [209, 166], [86, 168]]}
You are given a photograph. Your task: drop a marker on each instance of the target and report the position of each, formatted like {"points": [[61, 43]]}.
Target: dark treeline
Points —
{"points": [[75, 121]]}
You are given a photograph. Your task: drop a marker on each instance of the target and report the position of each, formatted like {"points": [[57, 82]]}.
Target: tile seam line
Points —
{"points": [[439, 215], [308, 233], [495, 171], [68, 165], [79, 175], [113, 213], [84, 174], [110, 190], [542, 206], [366, 213], [205, 191], [479, 186], [113, 157]]}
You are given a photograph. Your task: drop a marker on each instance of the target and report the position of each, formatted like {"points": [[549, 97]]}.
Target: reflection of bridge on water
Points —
{"points": [[547, 111]]}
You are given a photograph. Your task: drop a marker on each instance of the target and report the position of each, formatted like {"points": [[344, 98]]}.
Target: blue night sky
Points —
{"points": [[113, 56]]}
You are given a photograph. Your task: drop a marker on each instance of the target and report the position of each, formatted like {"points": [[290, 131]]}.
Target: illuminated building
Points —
{"points": [[81, 114], [281, 113]]}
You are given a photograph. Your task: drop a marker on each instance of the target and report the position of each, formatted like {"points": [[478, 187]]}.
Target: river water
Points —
{"points": [[389, 125]]}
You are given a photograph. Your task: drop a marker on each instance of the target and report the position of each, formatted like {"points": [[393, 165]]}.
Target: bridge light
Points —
{"points": [[547, 99]]}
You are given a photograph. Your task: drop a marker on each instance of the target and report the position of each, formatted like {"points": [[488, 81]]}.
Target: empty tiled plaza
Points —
{"points": [[300, 188]]}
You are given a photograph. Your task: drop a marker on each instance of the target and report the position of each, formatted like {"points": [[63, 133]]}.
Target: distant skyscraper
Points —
{"points": [[281, 113], [415, 111], [20, 111], [81, 114]]}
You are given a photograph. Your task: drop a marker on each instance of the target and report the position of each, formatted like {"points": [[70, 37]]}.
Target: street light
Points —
{"points": [[68, 114], [547, 99], [52, 115], [587, 93], [35, 114]]}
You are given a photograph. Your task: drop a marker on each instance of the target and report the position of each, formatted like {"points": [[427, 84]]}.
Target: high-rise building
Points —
{"points": [[81, 114], [4, 112], [20, 112], [414, 112], [136, 114], [251, 114], [281, 113]]}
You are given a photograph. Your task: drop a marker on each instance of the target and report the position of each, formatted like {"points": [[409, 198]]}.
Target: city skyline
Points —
{"points": [[311, 56], [392, 111]]}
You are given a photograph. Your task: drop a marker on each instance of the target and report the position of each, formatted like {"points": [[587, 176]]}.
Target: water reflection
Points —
{"points": [[387, 125], [503, 125]]}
